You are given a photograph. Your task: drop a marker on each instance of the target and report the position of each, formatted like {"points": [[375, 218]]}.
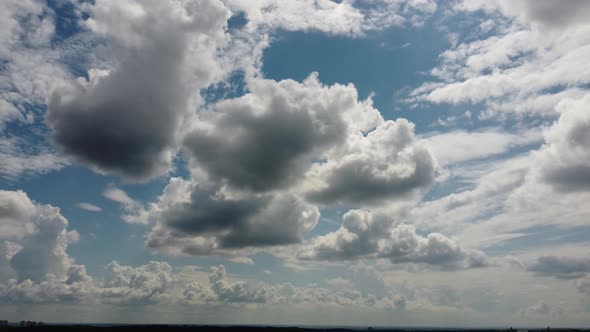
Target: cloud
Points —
{"points": [[387, 163], [242, 260], [31, 69], [150, 283], [331, 17], [234, 292], [124, 120], [538, 309], [583, 285], [400, 301], [267, 139], [364, 234], [203, 218], [564, 161], [526, 67], [547, 13], [18, 157], [339, 282], [367, 280], [257, 164], [133, 211], [459, 146], [89, 207], [40, 234], [302, 15], [73, 287], [561, 267]]}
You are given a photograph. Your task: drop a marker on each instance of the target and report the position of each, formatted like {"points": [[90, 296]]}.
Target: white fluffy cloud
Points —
{"points": [[41, 234], [387, 163], [364, 234], [259, 162], [332, 17], [530, 62]]}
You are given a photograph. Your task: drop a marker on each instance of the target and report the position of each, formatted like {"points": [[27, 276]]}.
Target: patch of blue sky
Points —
{"points": [[387, 65], [67, 21], [237, 21], [234, 86]]}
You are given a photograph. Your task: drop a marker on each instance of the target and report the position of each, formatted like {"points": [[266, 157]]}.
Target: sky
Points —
{"points": [[301, 162]]}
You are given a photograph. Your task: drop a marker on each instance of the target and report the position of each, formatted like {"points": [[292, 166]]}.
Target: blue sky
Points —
{"points": [[390, 162]]}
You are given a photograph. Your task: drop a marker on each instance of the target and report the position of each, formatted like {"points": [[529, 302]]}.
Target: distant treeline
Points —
{"points": [[187, 328]]}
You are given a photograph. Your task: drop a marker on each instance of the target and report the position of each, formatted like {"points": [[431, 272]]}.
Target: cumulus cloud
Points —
{"points": [[201, 218], [150, 283], [41, 234], [564, 161], [234, 292], [54, 278], [267, 138], [364, 234], [76, 286], [387, 163], [125, 120], [257, 164], [561, 267]]}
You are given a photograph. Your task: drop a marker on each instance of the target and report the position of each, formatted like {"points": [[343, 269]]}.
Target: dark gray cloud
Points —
{"points": [[212, 220], [564, 161], [126, 121], [561, 267], [555, 14], [268, 138], [559, 13]]}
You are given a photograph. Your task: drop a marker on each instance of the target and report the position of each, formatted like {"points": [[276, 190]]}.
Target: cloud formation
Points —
{"points": [[259, 162], [364, 234], [124, 120], [199, 219], [561, 267], [385, 164], [267, 138], [40, 234], [565, 158]]}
